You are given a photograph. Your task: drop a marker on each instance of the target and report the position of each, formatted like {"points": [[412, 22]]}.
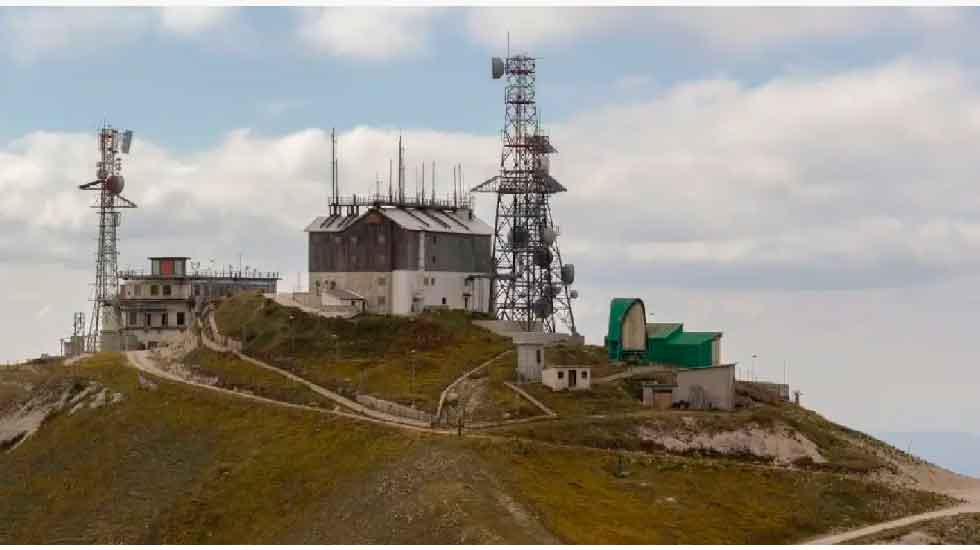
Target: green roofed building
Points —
{"points": [[663, 342]]}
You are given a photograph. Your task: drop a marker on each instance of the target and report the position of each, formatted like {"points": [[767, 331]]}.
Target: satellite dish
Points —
{"points": [[497, 67], [115, 184], [573, 294], [548, 235]]}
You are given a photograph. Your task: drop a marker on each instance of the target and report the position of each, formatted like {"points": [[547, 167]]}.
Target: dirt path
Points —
{"points": [[970, 494], [142, 361]]}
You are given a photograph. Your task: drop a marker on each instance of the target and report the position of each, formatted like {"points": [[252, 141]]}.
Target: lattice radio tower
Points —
{"points": [[530, 282], [109, 184]]}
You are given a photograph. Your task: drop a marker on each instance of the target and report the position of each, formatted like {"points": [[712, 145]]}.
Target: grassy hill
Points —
{"points": [[408, 360], [178, 464]]}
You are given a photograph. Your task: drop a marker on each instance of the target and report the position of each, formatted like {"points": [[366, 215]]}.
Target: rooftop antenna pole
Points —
{"points": [[389, 180], [423, 182], [401, 170], [334, 191], [433, 192]]}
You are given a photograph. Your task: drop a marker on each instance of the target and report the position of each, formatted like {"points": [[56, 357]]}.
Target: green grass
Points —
{"points": [[370, 353], [582, 499], [187, 465], [236, 374], [180, 465], [959, 529]]}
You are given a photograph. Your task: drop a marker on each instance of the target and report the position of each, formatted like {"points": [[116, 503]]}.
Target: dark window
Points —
{"points": [[443, 300], [149, 319], [433, 260], [197, 290], [137, 289], [333, 285], [166, 290], [381, 281], [585, 374], [539, 356], [131, 320], [561, 374], [163, 319], [180, 318], [154, 290]]}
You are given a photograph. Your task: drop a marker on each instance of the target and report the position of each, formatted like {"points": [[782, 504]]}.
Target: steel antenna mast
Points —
{"points": [[530, 282], [109, 184]]}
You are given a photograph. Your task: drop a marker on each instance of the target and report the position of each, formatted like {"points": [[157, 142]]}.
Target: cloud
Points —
{"points": [[192, 20], [736, 29], [371, 34], [530, 27], [28, 34]]}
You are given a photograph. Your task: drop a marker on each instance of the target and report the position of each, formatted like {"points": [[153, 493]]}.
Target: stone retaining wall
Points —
{"points": [[396, 409]]}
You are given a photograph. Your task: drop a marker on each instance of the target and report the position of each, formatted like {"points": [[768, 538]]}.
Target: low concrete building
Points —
{"points": [[530, 355], [334, 298], [706, 387], [155, 307], [573, 378]]}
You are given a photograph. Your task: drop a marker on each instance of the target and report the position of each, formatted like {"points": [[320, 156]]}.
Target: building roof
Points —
{"points": [[438, 220], [663, 330], [693, 338], [343, 294]]}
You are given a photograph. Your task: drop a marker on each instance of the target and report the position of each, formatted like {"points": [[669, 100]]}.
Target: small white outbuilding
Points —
{"points": [[560, 378]]}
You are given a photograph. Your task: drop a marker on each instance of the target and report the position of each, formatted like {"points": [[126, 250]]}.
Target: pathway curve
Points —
{"points": [[972, 505], [142, 361]]}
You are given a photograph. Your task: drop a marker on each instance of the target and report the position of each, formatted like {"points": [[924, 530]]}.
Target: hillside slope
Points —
{"points": [[169, 463]]}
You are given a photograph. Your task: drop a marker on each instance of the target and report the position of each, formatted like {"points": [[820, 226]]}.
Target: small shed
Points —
{"points": [[670, 343], [530, 356], [560, 378]]}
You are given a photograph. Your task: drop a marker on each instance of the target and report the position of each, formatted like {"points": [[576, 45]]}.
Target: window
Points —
{"points": [[131, 319], [197, 290], [443, 300], [381, 300], [561, 375], [155, 267], [353, 240], [180, 318], [163, 319], [333, 285], [585, 374], [435, 239], [432, 281], [381, 281], [154, 290], [539, 356], [149, 319], [166, 290], [433, 260], [137, 290]]}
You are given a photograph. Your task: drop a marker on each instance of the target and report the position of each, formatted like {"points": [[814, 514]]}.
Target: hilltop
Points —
{"points": [[96, 451]]}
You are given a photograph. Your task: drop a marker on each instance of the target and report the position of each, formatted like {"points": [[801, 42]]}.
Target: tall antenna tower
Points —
{"points": [[109, 184], [530, 282]]}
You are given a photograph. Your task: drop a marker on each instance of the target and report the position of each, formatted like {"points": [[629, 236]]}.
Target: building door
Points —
{"points": [[572, 378]]}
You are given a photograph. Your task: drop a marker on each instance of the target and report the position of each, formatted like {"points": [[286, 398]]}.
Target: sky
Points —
{"points": [[802, 179]]}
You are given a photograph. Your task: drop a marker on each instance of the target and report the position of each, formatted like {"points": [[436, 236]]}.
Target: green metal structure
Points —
{"points": [[666, 343]]}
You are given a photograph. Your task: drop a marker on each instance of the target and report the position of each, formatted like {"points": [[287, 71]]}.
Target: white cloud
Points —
{"points": [[191, 20], [28, 34], [367, 33], [530, 27]]}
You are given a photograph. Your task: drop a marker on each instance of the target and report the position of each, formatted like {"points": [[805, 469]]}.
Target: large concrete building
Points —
{"points": [[156, 306], [402, 259]]}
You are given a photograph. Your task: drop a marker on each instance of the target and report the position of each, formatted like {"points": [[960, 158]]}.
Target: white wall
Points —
{"points": [[549, 377], [718, 384], [401, 287]]}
